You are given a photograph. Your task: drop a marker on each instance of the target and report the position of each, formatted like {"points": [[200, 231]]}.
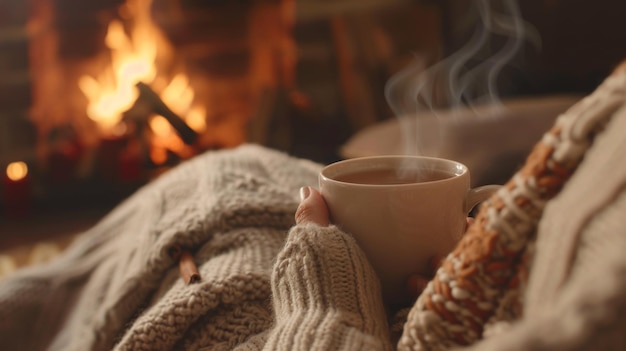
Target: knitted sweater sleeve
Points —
{"points": [[326, 296]]}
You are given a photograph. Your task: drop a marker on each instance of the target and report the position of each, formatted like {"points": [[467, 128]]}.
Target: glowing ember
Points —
{"points": [[17, 171]]}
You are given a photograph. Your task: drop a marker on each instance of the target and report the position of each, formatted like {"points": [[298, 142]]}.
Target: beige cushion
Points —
{"points": [[492, 140]]}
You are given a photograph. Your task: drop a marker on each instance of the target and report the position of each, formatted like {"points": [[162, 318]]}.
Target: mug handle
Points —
{"points": [[478, 195]]}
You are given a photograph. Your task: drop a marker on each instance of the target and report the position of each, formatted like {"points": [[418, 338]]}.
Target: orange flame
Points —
{"points": [[134, 59]]}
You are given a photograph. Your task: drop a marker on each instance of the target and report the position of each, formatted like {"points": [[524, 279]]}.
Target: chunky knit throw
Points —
{"points": [[467, 289], [491, 260], [546, 252]]}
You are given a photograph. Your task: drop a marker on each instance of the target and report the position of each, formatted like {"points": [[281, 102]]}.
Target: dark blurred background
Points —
{"points": [[300, 76]]}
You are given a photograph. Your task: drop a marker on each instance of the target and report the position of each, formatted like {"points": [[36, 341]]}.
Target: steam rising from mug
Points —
{"points": [[454, 82]]}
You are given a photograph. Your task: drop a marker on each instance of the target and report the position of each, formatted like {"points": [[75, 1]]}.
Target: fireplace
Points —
{"points": [[102, 96], [151, 70]]}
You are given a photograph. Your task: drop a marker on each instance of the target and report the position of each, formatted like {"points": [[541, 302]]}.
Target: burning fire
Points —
{"points": [[135, 53]]}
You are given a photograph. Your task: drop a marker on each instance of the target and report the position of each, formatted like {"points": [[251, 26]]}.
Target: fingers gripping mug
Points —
{"points": [[402, 211]]}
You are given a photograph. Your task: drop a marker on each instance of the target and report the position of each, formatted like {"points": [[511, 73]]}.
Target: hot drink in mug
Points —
{"points": [[402, 211]]}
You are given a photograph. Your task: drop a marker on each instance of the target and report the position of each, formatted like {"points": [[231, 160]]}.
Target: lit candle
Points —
{"points": [[17, 186]]}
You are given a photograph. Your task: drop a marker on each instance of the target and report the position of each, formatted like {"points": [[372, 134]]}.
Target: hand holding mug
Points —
{"points": [[401, 210], [313, 209]]}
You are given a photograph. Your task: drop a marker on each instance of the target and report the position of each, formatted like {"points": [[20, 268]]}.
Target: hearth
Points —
{"points": [[99, 97], [102, 96]]}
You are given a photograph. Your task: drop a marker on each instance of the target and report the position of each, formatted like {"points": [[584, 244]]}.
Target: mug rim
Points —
{"points": [[462, 170]]}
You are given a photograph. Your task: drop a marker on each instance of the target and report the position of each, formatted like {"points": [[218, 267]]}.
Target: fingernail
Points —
{"points": [[304, 193]]}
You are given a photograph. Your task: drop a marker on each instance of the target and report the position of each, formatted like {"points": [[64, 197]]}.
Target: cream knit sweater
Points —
{"points": [[268, 284]]}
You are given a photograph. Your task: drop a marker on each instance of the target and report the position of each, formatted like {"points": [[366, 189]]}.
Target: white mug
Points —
{"points": [[402, 211]]}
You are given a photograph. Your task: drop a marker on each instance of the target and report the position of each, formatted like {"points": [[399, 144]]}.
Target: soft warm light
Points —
{"points": [[158, 155], [178, 93], [196, 119], [17, 171], [120, 129], [165, 138], [160, 126], [179, 96]]}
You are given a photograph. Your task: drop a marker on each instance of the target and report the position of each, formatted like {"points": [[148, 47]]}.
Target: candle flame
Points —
{"points": [[17, 171]]}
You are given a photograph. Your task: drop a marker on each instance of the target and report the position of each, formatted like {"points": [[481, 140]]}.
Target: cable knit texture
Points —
{"points": [[491, 260], [551, 247], [118, 288]]}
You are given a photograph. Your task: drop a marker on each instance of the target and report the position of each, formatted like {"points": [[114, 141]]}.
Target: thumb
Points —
{"points": [[312, 208]]}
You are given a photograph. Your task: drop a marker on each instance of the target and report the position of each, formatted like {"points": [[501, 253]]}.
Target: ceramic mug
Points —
{"points": [[402, 211]]}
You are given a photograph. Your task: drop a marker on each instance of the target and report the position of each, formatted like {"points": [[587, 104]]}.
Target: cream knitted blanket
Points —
{"points": [[261, 288], [118, 288], [269, 285]]}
